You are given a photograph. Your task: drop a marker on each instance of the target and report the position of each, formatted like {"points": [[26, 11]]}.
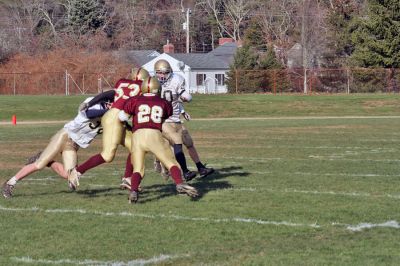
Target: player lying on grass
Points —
{"points": [[76, 134], [148, 113]]}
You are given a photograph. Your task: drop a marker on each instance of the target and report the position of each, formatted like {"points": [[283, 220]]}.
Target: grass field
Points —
{"points": [[319, 184]]}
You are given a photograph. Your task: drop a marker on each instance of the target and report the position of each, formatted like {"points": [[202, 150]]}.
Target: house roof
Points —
{"points": [[137, 57], [219, 58]]}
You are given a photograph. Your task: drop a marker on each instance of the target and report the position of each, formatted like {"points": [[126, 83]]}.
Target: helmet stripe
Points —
{"points": [[137, 74], [148, 84]]}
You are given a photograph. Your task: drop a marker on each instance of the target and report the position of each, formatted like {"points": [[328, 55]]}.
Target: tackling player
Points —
{"points": [[74, 135], [114, 132], [149, 112], [173, 90]]}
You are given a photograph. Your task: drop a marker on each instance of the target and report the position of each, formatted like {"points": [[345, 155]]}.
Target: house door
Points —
{"points": [[210, 85]]}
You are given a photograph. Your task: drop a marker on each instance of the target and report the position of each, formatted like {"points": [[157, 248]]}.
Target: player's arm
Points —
{"points": [[94, 113], [107, 96], [184, 95], [183, 112], [129, 108], [97, 110]]}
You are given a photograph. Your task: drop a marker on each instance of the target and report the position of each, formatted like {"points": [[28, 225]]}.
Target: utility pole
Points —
{"points": [[187, 6], [186, 27], [304, 46]]}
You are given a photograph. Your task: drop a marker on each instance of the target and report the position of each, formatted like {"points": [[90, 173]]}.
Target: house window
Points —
{"points": [[200, 78], [220, 79]]}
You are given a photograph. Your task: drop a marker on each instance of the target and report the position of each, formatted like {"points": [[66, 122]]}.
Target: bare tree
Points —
{"points": [[277, 19], [229, 15]]}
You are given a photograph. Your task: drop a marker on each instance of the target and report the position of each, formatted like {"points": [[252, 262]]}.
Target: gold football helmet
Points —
{"points": [[151, 85], [163, 70], [139, 74]]}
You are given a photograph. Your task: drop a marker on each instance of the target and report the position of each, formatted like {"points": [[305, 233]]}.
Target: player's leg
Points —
{"points": [[53, 148], [173, 133], [112, 136], [161, 149], [188, 142], [70, 159], [137, 155]]}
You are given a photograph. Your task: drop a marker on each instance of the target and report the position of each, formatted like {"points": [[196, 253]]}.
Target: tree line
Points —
{"points": [[332, 33]]}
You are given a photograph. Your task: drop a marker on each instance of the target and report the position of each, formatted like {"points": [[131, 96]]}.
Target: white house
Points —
{"points": [[203, 72]]}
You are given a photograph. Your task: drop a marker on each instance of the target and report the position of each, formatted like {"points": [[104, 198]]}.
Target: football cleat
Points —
{"points": [[133, 197], [126, 183], [7, 190], [189, 175], [186, 189], [33, 158], [203, 172], [73, 179]]}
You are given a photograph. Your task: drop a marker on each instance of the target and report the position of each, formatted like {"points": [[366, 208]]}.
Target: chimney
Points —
{"points": [[222, 41], [168, 48]]}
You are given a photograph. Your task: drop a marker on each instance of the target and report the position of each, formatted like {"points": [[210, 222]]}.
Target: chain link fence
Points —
{"points": [[56, 83], [346, 80]]}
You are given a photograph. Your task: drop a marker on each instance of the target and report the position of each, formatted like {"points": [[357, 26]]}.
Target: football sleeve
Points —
{"points": [[107, 96]]}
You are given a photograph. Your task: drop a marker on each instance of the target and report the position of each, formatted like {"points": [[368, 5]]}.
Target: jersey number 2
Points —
{"points": [[146, 113]]}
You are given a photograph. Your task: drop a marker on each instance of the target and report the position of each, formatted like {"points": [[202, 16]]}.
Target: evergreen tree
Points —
{"points": [[376, 37], [242, 69], [253, 36], [86, 15]]}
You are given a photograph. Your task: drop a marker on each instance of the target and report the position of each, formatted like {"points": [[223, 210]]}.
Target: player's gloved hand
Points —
{"points": [[186, 116], [83, 107]]}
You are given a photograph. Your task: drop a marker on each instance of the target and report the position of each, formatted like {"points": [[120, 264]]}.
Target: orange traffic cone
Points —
{"points": [[14, 119]]}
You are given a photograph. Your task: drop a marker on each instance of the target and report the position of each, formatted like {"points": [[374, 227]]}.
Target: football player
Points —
{"points": [[74, 135], [114, 132], [173, 90], [149, 112]]}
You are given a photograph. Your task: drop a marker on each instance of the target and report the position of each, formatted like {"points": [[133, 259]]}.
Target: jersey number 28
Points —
{"points": [[146, 113]]}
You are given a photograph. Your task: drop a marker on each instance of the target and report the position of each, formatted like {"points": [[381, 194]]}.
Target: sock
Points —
{"points": [[128, 167], [90, 163], [135, 181], [176, 174], [200, 165], [180, 157], [12, 181]]}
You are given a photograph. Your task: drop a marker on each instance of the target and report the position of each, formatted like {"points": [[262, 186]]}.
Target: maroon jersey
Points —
{"points": [[124, 89], [148, 110]]}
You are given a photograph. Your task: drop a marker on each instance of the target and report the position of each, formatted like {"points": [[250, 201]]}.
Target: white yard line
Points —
{"points": [[154, 260], [230, 119], [162, 216], [357, 227], [312, 192], [362, 226]]}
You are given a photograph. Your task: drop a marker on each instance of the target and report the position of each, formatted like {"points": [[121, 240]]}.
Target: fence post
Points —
{"points": [[236, 80], [14, 85], [66, 83], [348, 80], [99, 85], [274, 80]]}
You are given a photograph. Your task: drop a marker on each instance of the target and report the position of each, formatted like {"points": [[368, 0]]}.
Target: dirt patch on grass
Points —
{"points": [[381, 103]]}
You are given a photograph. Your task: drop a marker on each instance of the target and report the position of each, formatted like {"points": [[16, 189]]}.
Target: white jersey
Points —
{"points": [[173, 90], [83, 130]]}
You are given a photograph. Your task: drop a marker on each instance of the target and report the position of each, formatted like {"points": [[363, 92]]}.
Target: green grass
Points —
{"points": [[285, 190], [204, 106]]}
